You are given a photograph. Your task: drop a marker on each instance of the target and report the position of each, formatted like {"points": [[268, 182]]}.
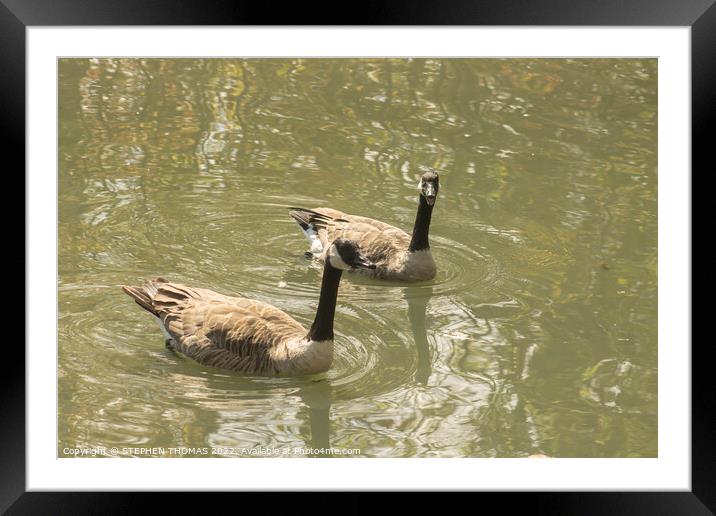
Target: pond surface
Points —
{"points": [[538, 335]]}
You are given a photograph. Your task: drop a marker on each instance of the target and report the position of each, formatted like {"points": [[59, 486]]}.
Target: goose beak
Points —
{"points": [[429, 192], [364, 263]]}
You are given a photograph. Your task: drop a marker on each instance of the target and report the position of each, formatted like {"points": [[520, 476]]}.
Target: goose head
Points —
{"points": [[345, 254], [429, 186]]}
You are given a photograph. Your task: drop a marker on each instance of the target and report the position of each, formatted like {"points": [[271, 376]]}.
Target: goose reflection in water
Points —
{"points": [[302, 405], [316, 395], [418, 298]]}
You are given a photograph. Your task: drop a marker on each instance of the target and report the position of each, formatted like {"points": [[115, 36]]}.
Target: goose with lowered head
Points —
{"points": [[246, 335]]}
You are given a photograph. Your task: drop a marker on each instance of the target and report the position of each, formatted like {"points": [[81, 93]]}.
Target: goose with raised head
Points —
{"points": [[246, 335], [396, 255]]}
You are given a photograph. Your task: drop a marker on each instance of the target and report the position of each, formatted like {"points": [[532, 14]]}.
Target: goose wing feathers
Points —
{"points": [[378, 240], [217, 330]]}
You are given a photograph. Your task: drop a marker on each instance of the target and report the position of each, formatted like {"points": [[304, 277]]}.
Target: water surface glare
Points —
{"points": [[538, 335]]}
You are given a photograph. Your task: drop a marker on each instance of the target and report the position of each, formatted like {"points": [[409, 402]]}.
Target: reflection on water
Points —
{"points": [[417, 299], [317, 397], [538, 335]]}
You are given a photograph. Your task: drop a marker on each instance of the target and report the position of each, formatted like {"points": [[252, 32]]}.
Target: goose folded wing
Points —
{"points": [[238, 335]]}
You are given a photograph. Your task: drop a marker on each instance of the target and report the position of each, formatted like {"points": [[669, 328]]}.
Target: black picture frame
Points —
{"points": [[17, 15]]}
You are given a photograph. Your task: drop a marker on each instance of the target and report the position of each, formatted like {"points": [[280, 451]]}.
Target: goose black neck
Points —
{"points": [[420, 242], [322, 328]]}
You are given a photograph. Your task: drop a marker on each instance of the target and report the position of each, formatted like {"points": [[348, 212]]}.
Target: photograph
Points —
{"points": [[357, 257]]}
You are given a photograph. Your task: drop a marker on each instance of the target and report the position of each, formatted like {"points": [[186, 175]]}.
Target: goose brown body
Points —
{"points": [[246, 335], [232, 333], [388, 247], [396, 255]]}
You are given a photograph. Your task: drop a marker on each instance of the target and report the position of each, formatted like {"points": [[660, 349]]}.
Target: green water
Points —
{"points": [[538, 335]]}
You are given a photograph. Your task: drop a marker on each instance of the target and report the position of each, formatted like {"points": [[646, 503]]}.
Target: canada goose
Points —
{"points": [[397, 255], [246, 335]]}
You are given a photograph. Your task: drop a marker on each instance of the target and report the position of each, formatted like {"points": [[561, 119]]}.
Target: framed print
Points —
{"points": [[450, 250]]}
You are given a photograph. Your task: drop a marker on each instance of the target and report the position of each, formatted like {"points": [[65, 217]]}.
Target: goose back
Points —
{"points": [[232, 333], [384, 244]]}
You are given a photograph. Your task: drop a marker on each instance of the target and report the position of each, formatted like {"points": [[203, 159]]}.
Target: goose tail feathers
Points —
{"points": [[306, 218], [310, 221], [144, 295]]}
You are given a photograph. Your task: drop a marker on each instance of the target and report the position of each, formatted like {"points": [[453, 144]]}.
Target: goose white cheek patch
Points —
{"points": [[427, 189], [336, 260]]}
